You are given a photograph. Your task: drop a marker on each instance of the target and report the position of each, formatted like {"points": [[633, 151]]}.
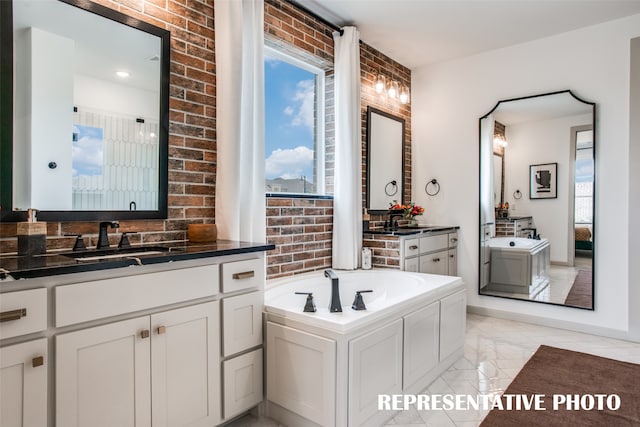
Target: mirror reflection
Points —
{"points": [[385, 160], [88, 129], [537, 168]]}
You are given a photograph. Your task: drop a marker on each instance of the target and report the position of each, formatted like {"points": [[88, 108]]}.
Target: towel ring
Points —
{"points": [[517, 195], [436, 184], [394, 187]]}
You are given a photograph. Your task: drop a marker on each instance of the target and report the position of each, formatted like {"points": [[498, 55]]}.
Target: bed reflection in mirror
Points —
{"points": [[537, 175]]}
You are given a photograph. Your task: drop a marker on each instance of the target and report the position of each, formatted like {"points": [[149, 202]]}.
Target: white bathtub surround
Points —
{"points": [[347, 196], [329, 368], [240, 202], [519, 265]]}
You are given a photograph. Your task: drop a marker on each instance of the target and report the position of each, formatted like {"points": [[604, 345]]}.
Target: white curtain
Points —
{"points": [[240, 199], [487, 212], [347, 197]]}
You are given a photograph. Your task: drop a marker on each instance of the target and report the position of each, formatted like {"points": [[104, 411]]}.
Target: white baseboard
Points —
{"points": [[553, 323]]}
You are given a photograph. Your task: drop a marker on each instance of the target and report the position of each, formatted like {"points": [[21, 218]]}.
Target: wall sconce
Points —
{"points": [[387, 87]]}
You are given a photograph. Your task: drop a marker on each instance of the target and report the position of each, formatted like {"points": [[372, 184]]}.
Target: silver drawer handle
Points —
{"points": [[454, 239], [243, 275], [7, 316], [436, 260], [413, 247]]}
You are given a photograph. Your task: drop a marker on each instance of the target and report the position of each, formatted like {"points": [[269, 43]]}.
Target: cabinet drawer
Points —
{"points": [[23, 312], [242, 378], [241, 322], [81, 302], [243, 275], [433, 243], [411, 247]]}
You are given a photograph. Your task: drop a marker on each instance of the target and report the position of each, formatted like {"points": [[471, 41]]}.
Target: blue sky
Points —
{"points": [[87, 151], [289, 105]]}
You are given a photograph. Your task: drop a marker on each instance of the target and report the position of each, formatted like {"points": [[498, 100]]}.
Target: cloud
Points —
{"points": [[87, 151], [303, 108], [288, 111], [288, 163]]}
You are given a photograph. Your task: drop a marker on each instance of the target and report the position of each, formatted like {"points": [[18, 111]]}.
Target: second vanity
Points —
{"points": [[427, 249], [172, 339]]}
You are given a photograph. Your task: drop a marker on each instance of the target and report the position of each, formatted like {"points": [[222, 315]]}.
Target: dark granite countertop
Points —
{"points": [[50, 264], [405, 231]]}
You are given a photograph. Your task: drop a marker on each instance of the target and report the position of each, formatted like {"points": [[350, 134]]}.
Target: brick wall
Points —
{"points": [[192, 146], [301, 228]]}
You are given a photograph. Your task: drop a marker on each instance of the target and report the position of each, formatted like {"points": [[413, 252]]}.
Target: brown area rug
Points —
{"points": [[581, 293], [562, 372]]}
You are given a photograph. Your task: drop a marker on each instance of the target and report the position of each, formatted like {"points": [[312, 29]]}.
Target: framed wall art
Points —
{"points": [[543, 181]]}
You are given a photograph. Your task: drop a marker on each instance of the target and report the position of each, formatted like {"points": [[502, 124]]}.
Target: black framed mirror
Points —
{"points": [[85, 113], [537, 228], [385, 160]]}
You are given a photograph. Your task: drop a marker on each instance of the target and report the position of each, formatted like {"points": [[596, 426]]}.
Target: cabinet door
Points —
{"points": [[453, 262], [185, 361], [301, 373], [242, 383], [241, 322], [435, 263], [375, 367], [103, 376], [421, 332], [412, 264], [453, 310], [23, 384]]}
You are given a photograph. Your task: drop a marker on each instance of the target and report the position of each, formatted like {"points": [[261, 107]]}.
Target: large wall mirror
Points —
{"points": [[537, 182], [85, 134], [385, 160]]}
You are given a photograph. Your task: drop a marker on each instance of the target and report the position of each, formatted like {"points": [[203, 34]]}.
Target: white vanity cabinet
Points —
{"points": [[23, 384], [151, 370], [432, 253], [168, 344]]}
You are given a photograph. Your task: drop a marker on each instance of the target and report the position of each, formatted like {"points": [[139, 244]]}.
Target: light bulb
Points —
{"points": [[380, 83], [393, 89], [404, 95]]}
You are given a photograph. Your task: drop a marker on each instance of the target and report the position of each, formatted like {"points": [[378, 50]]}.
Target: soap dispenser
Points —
{"points": [[366, 258]]}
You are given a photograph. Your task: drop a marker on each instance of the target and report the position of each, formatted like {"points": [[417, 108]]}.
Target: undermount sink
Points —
{"points": [[100, 254]]}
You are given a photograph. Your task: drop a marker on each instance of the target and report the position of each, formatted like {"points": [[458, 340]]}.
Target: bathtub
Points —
{"points": [[392, 290], [519, 264], [327, 369]]}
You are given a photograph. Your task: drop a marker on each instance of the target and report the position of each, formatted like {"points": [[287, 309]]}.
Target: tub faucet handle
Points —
{"points": [[358, 302], [309, 306]]}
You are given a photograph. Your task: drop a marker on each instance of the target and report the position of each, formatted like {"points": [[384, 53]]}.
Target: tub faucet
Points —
{"points": [[103, 237], [334, 306]]}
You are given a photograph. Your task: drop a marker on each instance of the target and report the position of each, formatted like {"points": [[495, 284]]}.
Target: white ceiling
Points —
{"points": [[421, 32]]}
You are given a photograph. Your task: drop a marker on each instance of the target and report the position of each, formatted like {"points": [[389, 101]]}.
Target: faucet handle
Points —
{"points": [[309, 306], [124, 240], [358, 302], [79, 243]]}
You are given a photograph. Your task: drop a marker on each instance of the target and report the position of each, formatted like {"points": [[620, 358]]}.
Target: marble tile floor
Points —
{"points": [[495, 351]]}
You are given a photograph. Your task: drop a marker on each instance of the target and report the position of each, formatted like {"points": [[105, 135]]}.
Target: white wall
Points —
{"points": [[634, 191], [448, 99], [541, 142]]}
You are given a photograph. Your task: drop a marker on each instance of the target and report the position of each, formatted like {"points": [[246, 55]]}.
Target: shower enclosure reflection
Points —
{"points": [[536, 212]]}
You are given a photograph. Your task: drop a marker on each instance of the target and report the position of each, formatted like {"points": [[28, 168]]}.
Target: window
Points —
{"points": [[294, 125], [584, 177]]}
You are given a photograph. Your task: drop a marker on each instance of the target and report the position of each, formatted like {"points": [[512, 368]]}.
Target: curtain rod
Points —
{"points": [[318, 17]]}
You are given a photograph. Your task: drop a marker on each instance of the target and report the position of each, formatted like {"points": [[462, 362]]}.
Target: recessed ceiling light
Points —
{"points": [[122, 74]]}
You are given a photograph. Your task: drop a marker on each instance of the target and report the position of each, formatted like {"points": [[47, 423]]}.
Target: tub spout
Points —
{"points": [[334, 306]]}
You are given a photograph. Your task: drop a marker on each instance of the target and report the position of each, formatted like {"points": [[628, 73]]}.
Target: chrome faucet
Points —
{"points": [[334, 306], [103, 236]]}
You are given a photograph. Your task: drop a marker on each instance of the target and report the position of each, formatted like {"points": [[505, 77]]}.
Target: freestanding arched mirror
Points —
{"points": [[537, 223]]}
